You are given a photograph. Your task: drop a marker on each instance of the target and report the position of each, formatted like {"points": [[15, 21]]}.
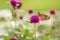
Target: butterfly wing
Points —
{"points": [[44, 17]]}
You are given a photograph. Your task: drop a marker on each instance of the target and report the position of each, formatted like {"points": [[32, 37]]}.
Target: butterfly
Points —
{"points": [[43, 16]]}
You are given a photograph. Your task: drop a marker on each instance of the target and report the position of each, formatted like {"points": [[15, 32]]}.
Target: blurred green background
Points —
{"points": [[34, 4]]}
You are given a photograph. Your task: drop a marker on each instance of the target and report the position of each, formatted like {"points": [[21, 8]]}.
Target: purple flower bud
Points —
{"points": [[18, 4], [34, 19], [13, 3], [52, 12], [21, 17], [30, 11], [13, 38]]}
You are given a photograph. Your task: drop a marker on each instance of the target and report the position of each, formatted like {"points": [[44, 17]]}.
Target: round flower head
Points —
{"points": [[34, 19], [13, 39], [52, 12], [19, 4], [30, 11], [21, 17], [13, 3]]}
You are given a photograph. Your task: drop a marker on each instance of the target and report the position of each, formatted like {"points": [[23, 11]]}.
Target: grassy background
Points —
{"points": [[34, 4]]}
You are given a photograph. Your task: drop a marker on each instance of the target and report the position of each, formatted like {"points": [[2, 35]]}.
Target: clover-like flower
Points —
{"points": [[21, 16], [52, 12], [13, 38], [34, 19], [30, 11], [18, 4], [13, 3]]}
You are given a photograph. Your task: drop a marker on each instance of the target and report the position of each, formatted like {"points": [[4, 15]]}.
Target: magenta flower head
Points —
{"points": [[13, 3], [34, 19], [18, 4], [30, 11], [52, 12], [21, 17], [13, 38]]}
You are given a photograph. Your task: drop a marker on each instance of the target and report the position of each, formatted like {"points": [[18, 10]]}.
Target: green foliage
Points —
{"points": [[6, 37]]}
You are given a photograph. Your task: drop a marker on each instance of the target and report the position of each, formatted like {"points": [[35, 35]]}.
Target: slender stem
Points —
{"points": [[16, 15], [35, 31]]}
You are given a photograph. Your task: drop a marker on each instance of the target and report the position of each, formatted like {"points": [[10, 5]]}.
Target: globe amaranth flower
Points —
{"points": [[52, 12], [21, 16], [18, 4], [30, 11], [34, 19], [13, 38], [13, 3]]}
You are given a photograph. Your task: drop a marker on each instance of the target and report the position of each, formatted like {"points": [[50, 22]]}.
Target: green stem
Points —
{"points": [[35, 31], [16, 16]]}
